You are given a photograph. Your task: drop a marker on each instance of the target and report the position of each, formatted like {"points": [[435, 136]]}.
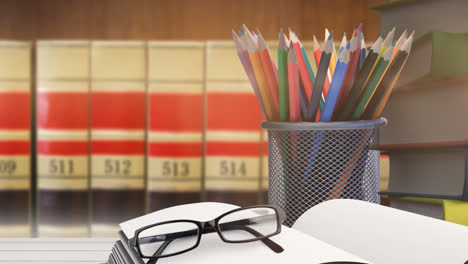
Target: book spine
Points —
{"points": [[118, 95], [232, 161], [62, 138], [384, 171], [175, 124], [232, 130], [15, 180]]}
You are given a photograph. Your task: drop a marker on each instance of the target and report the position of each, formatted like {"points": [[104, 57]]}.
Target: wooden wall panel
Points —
{"points": [[59, 19], [18, 19], [180, 19]]}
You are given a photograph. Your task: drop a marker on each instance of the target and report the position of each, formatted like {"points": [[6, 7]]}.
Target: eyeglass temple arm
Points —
{"points": [[158, 252], [267, 241]]}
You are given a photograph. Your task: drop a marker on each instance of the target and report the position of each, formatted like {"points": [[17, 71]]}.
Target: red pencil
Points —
{"points": [[303, 72], [269, 71], [293, 81]]}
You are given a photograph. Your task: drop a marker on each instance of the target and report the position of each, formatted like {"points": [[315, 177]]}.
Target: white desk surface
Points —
{"points": [[55, 250]]}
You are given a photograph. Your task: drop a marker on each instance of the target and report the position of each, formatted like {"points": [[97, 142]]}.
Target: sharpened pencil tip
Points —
{"points": [[331, 35], [292, 56], [360, 27]]}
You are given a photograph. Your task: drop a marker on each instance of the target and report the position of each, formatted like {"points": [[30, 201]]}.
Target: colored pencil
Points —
{"points": [[351, 70], [372, 84], [349, 167], [293, 80], [344, 41], [245, 61], [386, 44], [260, 77], [333, 59], [343, 112], [303, 72], [320, 79], [363, 53], [283, 78], [310, 66], [382, 93], [269, 71], [317, 55], [335, 86], [399, 42], [303, 100]]}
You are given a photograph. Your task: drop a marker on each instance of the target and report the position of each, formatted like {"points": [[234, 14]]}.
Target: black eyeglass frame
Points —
{"points": [[211, 226]]}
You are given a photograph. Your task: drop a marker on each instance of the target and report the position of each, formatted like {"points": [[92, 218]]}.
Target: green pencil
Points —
{"points": [[372, 83], [283, 78]]}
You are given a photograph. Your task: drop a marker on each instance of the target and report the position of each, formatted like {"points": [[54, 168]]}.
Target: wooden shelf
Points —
{"points": [[447, 145], [430, 83]]}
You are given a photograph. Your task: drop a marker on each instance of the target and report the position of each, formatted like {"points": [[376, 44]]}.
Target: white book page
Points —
{"points": [[298, 247], [385, 235]]}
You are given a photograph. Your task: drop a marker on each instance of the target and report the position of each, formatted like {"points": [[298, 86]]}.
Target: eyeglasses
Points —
{"points": [[240, 225]]}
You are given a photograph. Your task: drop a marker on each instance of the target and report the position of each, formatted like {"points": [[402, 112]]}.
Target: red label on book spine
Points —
{"points": [[176, 112], [118, 110], [62, 110], [14, 110]]}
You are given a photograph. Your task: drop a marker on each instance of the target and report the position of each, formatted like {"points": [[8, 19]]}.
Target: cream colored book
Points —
{"points": [[15, 126], [175, 122], [118, 133], [62, 83]]}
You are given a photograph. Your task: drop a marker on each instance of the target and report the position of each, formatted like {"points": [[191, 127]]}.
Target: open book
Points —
{"points": [[337, 231]]}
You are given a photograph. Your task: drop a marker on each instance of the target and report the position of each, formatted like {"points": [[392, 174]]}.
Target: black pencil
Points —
{"points": [[320, 79]]}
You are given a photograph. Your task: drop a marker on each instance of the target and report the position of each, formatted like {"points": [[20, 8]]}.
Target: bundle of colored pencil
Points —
{"points": [[347, 84]]}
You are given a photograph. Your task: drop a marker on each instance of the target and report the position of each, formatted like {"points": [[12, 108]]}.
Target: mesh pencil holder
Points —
{"points": [[310, 163]]}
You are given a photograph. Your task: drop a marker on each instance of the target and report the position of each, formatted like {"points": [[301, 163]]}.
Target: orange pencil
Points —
{"points": [[269, 71], [260, 77]]}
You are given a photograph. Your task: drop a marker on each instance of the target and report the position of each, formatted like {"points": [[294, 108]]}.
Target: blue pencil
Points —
{"points": [[335, 86], [333, 92]]}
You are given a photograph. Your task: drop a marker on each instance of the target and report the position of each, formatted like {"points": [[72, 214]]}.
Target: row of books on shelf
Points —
{"points": [[122, 128]]}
